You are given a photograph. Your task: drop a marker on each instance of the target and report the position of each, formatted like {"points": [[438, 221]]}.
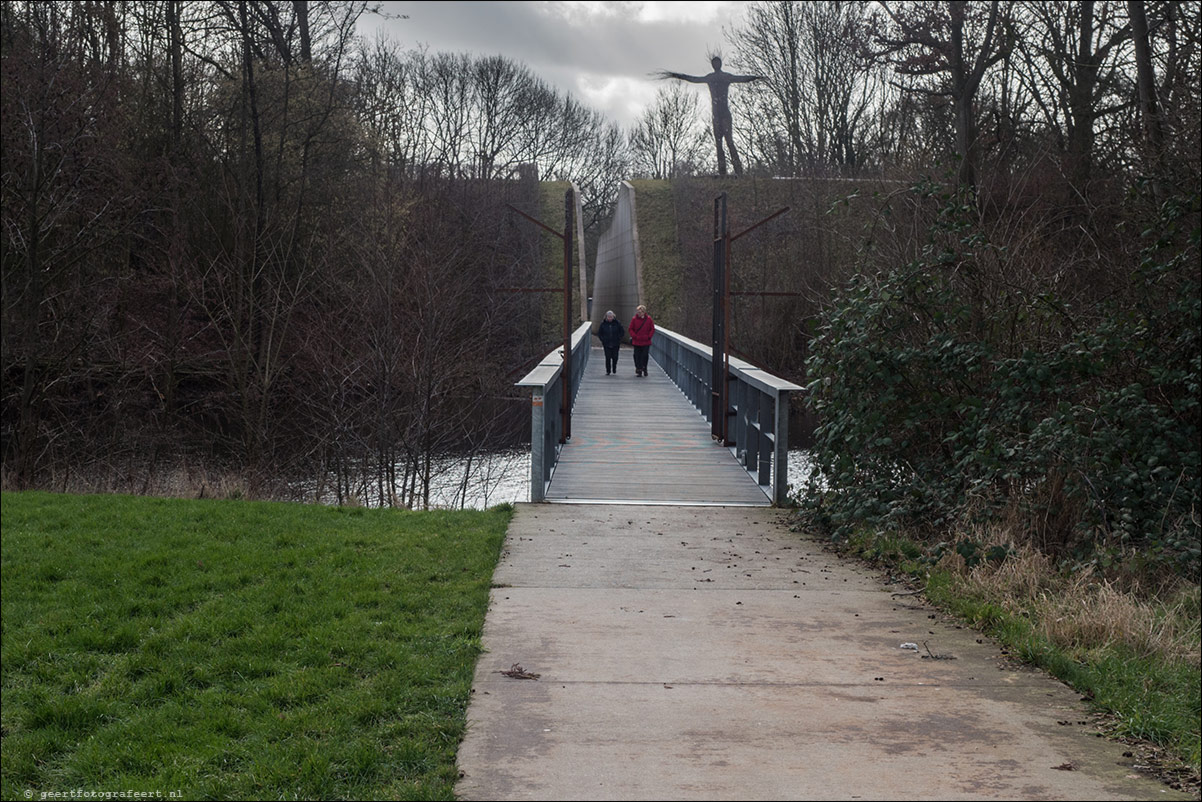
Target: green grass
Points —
{"points": [[232, 649]]}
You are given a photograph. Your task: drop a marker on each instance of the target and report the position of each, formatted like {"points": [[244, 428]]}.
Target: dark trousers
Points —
{"points": [[641, 354], [611, 358]]}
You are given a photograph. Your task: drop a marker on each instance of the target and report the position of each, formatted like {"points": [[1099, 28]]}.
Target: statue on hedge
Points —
{"points": [[719, 84]]}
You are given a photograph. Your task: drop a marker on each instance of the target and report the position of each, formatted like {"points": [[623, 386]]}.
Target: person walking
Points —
{"points": [[641, 329], [611, 333]]}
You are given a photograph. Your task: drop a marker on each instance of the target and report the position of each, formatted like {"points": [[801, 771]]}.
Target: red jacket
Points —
{"points": [[641, 329]]}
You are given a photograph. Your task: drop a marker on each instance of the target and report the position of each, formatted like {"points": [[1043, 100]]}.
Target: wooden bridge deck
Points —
{"points": [[639, 440]]}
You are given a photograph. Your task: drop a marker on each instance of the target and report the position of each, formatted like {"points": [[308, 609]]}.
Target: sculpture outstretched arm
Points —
{"points": [[746, 79], [663, 75]]}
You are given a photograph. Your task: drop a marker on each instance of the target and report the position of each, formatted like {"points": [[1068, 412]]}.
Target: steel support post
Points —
{"points": [[780, 459], [568, 208], [718, 328], [538, 455]]}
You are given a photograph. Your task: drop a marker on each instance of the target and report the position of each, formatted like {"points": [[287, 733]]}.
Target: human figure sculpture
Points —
{"points": [[719, 83]]}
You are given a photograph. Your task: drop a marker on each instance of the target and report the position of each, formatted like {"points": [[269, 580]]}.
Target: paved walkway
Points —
{"points": [[709, 653], [639, 440]]}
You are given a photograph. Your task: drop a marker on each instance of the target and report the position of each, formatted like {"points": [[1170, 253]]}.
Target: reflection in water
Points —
{"points": [[503, 477], [484, 481], [800, 468]]}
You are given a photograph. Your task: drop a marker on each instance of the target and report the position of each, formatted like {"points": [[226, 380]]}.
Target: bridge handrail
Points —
{"points": [[546, 430], [759, 403]]}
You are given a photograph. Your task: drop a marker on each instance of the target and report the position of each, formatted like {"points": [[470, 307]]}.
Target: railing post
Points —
{"points": [[555, 380], [538, 453], [780, 460], [759, 429]]}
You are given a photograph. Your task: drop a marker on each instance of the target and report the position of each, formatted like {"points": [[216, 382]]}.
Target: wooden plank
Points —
{"points": [[640, 440]]}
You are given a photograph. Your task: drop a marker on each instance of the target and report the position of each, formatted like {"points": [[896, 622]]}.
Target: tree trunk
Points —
{"points": [[29, 409], [1146, 81], [1081, 106], [301, 8], [256, 330], [963, 94], [176, 44]]}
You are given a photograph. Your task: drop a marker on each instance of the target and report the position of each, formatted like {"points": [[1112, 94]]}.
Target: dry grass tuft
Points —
{"points": [[181, 480], [1082, 611]]}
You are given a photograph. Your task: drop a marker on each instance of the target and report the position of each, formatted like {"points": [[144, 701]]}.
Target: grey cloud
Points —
{"points": [[555, 42]]}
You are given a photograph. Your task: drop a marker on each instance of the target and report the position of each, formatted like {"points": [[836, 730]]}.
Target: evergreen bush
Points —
{"points": [[947, 393]]}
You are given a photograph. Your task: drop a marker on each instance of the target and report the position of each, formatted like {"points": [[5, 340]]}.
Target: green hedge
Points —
{"points": [[946, 392]]}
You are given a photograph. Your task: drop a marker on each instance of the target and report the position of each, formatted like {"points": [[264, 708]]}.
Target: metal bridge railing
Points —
{"points": [[546, 424], [758, 406]]}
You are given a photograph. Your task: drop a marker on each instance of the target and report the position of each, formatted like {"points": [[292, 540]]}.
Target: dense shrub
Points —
{"points": [[946, 391]]}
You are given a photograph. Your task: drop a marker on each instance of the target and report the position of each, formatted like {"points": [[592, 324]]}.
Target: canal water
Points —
{"points": [[504, 477]]}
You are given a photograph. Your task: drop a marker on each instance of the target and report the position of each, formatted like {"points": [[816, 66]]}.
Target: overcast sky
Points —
{"points": [[601, 52]]}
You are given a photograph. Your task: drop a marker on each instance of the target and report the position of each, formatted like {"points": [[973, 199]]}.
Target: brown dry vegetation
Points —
{"points": [[1083, 611]]}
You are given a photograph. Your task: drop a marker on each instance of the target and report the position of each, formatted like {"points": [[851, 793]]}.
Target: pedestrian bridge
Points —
{"points": [[647, 440], [651, 440]]}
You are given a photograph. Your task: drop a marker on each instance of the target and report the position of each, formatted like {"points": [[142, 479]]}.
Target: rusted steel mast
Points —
{"points": [[720, 331], [569, 208]]}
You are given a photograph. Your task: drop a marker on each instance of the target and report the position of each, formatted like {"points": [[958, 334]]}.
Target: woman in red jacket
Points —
{"points": [[642, 327]]}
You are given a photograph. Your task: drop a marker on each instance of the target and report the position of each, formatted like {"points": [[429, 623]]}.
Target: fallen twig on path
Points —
{"points": [[517, 672]]}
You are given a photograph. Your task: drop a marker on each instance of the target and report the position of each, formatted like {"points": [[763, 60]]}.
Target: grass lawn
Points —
{"points": [[238, 650]]}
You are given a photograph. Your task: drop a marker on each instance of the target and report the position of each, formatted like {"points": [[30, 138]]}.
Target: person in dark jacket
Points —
{"points": [[642, 327], [611, 333]]}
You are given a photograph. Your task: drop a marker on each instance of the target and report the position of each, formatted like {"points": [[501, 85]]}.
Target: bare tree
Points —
{"points": [[1071, 53], [843, 78], [503, 97], [599, 173], [541, 137], [820, 89], [68, 195], [184, 186], [771, 45], [1179, 37], [392, 104], [667, 139], [954, 42], [447, 80]]}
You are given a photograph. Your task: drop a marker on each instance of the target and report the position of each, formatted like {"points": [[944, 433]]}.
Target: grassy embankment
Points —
{"points": [[1132, 652], [238, 650], [659, 246]]}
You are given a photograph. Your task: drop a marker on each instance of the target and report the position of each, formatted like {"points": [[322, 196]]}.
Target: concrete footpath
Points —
{"points": [[710, 653]]}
